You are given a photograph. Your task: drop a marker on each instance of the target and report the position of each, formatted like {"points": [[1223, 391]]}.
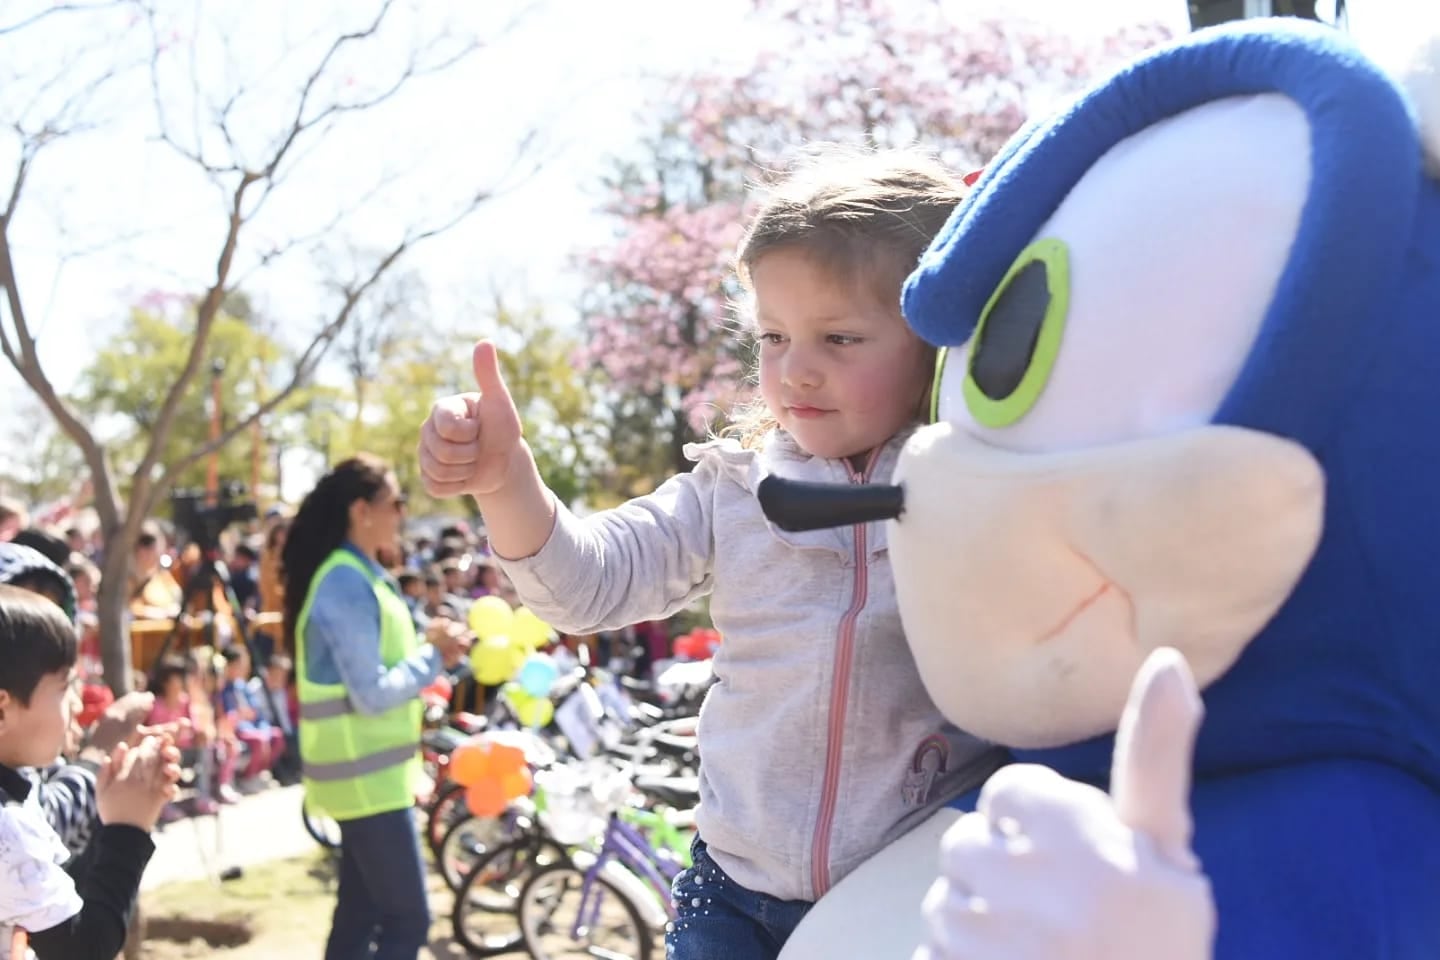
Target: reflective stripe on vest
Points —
{"points": [[349, 769], [355, 764], [325, 709]]}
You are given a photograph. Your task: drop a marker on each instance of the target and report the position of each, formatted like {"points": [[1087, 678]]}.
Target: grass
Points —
{"points": [[278, 909]]}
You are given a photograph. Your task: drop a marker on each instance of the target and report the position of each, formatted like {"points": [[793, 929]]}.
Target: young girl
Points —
{"points": [[243, 715], [820, 743], [175, 701]]}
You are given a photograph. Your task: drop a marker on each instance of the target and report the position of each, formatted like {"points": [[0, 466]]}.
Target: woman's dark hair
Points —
{"points": [[36, 639], [320, 526]]}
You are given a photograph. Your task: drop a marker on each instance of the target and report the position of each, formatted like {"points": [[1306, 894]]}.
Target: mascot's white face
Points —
{"points": [[1073, 506]]}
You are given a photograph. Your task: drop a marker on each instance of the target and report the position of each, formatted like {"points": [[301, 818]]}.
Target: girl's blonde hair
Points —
{"points": [[866, 216]]}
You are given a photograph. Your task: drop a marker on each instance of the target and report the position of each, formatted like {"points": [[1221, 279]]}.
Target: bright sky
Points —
{"points": [[570, 68]]}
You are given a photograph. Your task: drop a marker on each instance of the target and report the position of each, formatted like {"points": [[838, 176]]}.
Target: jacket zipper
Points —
{"points": [[839, 688]]}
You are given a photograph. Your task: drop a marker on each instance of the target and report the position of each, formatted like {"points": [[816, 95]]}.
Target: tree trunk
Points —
{"points": [[113, 599], [135, 936]]}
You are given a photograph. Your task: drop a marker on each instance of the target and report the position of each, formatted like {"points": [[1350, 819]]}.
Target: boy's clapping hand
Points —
{"points": [[137, 782]]}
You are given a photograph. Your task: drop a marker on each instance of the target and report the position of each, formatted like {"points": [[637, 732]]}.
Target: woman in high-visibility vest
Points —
{"points": [[360, 667]]}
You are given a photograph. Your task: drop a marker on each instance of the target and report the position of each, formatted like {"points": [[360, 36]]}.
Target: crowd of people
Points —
{"points": [[843, 383]]}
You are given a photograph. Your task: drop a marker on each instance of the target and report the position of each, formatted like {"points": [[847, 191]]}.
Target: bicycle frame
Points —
{"points": [[635, 853]]}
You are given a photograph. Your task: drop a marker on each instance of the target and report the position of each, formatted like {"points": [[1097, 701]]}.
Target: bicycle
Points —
{"points": [[558, 819], [321, 826], [483, 918], [625, 883]]}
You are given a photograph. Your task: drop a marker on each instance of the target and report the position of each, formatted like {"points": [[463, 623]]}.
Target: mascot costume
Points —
{"points": [[1188, 400]]}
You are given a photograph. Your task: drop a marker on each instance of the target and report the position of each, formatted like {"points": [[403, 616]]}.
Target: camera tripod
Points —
{"points": [[198, 595]]}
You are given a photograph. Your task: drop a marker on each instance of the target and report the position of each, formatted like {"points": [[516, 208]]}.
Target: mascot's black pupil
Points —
{"points": [[1012, 329]]}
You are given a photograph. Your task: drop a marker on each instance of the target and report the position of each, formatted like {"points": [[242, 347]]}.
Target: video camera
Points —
{"points": [[201, 522]]}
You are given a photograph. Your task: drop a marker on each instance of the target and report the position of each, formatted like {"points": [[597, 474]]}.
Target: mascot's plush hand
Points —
{"points": [[1051, 869]]}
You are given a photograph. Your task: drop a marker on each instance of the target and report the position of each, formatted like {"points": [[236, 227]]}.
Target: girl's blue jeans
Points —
{"points": [[717, 919]]}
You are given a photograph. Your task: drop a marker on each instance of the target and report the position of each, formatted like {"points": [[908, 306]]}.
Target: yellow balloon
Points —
{"points": [[529, 629], [490, 616], [535, 712], [493, 659], [519, 653]]}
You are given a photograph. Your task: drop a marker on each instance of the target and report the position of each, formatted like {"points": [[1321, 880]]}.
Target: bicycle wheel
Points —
{"points": [[322, 829], [446, 810], [466, 842], [483, 918], [561, 917]]}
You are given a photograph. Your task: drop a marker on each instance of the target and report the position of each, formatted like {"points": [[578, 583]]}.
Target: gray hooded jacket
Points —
{"points": [[818, 742]]}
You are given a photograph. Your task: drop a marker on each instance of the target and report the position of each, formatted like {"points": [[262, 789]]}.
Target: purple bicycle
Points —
{"points": [[612, 906]]}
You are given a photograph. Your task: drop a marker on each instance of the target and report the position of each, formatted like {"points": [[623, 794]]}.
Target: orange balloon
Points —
{"points": [[485, 798], [506, 759], [517, 784], [469, 763]]}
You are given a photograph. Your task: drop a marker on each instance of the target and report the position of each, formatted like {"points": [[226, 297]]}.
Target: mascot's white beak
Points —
{"points": [[1033, 586]]}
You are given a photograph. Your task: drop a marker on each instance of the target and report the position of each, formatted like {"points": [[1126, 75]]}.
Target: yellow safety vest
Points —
{"points": [[353, 764]]}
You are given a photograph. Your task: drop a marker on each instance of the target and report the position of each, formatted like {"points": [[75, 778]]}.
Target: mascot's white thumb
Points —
{"points": [[1408, 48]]}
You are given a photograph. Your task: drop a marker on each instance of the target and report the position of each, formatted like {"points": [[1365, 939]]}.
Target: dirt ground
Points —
{"points": [[279, 909]]}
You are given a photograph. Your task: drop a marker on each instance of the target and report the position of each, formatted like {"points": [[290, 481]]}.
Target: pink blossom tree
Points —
{"points": [[661, 311]]}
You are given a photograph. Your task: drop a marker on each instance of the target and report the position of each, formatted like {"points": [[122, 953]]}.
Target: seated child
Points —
{"points": [[271, 695], [242, 710], [44, 913], [199, 750]]}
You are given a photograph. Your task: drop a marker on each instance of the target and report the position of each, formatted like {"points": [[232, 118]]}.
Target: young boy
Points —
{"points": [[40, 903]]}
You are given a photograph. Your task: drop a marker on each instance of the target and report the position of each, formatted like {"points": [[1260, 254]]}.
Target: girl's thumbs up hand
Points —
{"points": [[472, 442]]}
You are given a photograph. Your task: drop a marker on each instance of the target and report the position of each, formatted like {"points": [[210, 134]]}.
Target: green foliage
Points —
{"points": [[41, 464], [555, 400], [123, 388]]}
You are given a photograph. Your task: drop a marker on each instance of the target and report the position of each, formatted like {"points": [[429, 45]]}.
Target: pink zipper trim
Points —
{"points": [[839, 687]]}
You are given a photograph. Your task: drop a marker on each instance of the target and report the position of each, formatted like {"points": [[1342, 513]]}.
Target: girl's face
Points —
{"points": [[839, 369], [174, 687]]}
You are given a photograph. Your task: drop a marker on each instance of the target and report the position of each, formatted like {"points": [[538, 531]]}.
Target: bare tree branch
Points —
{"points": [[298, 124], [195, 156], [59, 8], [325, 230], [23, 357], [314, 352], [205, 313]]}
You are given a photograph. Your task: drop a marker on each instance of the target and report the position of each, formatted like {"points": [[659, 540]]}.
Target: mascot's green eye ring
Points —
{"points": [[1018, 337]]}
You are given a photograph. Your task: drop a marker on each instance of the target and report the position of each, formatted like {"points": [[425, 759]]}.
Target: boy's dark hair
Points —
{"points": [[405, 579], [432, 579], [36, 639], [233, 653], [247, 551]]}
